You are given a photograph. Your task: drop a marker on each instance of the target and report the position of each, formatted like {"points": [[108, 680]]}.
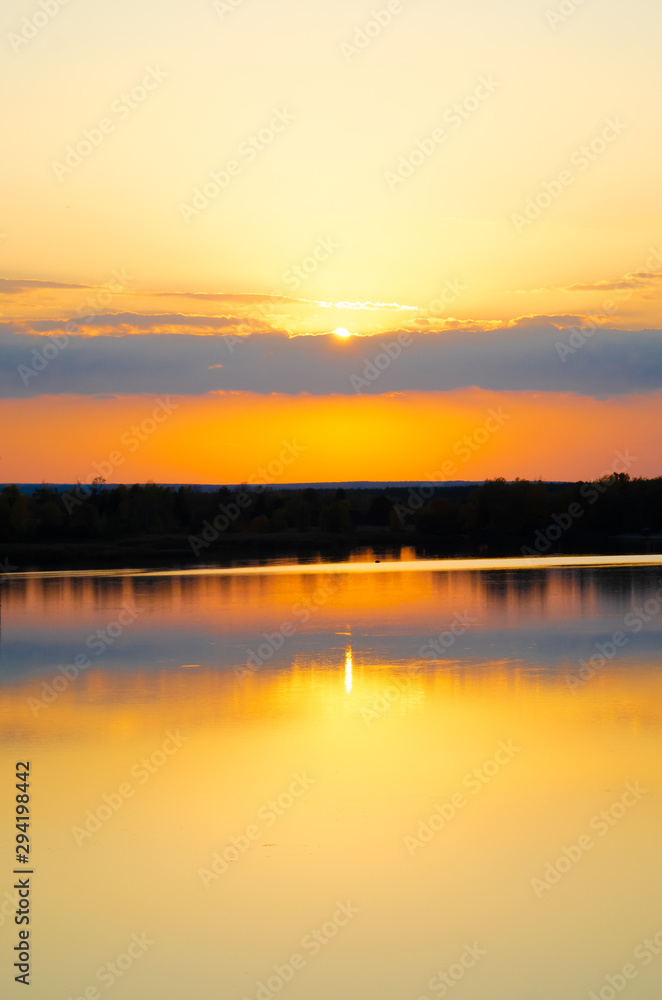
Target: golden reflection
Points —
{"points": [[220, 601], [243, 676], [348, 669], [361, 562], [205, 754]]}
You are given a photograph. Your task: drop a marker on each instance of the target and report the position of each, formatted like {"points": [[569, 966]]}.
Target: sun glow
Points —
{"points": [[342, 332]]}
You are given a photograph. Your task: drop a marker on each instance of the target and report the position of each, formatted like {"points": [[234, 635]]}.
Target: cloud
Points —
{"points": [[632, 281], [518, 358], [257, 298], [552, 321], [121, 324], [449, 324], [240, 298], [369, 306], [636, 279], [13, 286]]}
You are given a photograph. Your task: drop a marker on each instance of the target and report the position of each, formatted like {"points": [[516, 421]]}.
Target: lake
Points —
{"points": [[391, 780]]}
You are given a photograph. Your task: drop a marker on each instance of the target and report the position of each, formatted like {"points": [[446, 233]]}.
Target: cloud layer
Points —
{"points": [[599, 363]]}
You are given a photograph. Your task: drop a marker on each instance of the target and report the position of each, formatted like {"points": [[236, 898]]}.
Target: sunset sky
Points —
{"points": [[197, 195]]}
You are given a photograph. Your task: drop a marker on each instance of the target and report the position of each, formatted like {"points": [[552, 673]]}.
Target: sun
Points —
{"points": [[342, 332]]}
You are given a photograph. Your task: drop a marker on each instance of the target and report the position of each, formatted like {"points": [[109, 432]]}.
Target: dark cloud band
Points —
{"points": [[597, 363]]}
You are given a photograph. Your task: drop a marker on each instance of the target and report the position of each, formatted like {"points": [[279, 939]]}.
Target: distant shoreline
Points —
{"points": [[153, 525], [175, 551]]}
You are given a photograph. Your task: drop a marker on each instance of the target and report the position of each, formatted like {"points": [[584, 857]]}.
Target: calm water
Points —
{"points": [[270, 783]]}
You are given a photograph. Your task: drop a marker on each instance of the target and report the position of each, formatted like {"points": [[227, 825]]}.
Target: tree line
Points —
{"points": [[538, 515]]}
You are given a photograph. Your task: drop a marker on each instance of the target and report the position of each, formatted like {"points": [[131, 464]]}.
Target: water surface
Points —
{"points": [[374, 780]]}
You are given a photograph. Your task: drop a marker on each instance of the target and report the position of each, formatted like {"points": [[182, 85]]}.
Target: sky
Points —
{"points": [[198, 195]]}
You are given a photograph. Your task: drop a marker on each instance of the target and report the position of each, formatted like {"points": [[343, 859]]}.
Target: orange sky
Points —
{"points": [[228, 438], [179, 171]]}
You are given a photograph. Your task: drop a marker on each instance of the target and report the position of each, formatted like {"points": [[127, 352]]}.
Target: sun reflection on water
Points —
{"points": [[348, 669]]}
